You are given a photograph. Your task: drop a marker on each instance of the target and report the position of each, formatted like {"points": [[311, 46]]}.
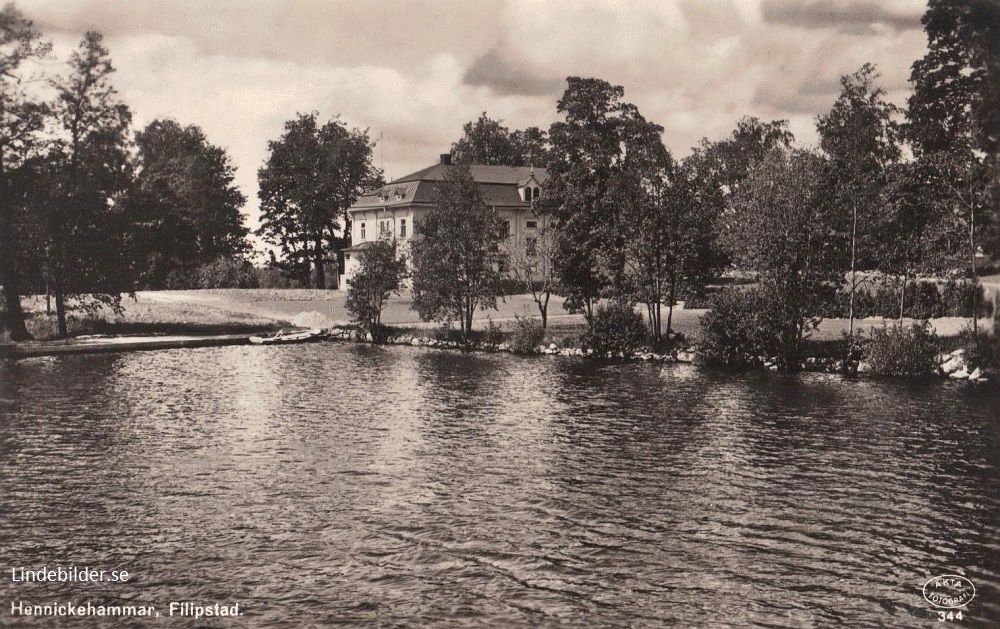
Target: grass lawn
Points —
{"points": [[231, 311]]}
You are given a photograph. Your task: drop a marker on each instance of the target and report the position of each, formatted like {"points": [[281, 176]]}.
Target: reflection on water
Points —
{"points": [[335, 484]]}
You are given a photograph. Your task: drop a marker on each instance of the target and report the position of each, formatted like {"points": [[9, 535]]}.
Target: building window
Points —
{"points": [[383, 228], [531, 224], [505, 229], [347, 256], [362, 231], [402, 228], [531, 247], [527, 194], [538, 192]]}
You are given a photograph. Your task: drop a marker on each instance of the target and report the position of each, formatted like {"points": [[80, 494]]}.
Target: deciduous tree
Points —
{"points": [[380, 271], [455, 253], [585, 165], [490, 142], [955, 99], [715, 171], [859, 135], [531, 264], [21, 119], [90, 157], [670, 247], [184, 202], [313, 174], [778, 226]]}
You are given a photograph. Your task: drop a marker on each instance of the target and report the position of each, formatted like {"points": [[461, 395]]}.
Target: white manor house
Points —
{"points": [[393, 209]]}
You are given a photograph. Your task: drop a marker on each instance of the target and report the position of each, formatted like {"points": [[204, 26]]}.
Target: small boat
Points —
{"points": [[288, 337]]}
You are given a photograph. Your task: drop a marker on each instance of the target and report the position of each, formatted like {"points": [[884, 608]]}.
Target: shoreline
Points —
{"points": [[950, 364], [217, 317]]}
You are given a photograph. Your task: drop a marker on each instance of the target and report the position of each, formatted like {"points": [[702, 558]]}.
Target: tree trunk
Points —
{"points": [[670, 306], [338, 257], [318, 262], [543, 309], [61, 308], [854, 282], [902, 298], [972, 265], [467, 323], [12, 316]]}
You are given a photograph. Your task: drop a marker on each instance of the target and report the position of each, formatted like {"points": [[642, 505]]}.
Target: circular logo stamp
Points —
{"points": [[949, 591]]}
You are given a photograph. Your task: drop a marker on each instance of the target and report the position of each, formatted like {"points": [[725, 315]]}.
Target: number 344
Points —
{"points": [[949, 616]]}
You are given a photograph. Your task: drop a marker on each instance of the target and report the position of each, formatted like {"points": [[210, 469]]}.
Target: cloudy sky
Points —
{"points": [[414, 71]]}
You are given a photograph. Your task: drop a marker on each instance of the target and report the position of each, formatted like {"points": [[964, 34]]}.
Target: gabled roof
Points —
{"points": [[498, 184], [510, 175]]}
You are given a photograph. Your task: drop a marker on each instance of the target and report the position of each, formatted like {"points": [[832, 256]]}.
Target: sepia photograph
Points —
{"points": [[500, 313]]}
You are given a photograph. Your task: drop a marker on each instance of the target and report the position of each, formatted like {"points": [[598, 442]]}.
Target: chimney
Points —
{"points": [[446, 159]]}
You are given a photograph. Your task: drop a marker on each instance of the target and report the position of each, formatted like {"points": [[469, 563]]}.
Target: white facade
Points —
{"points": [[393, 210]]}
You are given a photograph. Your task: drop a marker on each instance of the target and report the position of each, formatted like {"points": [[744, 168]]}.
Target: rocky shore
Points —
{"points": [[951, 365]]}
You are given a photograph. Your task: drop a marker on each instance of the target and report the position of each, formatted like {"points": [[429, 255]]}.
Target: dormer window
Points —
{"points": [[529, 192]]}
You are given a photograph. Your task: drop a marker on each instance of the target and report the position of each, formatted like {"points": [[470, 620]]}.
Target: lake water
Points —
{"points": [[338, 485]]}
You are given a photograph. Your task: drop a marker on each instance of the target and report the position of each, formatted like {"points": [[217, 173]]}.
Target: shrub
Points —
{"points": [[616, 329], [568, 341], [741, 329], [962, 298], [527, 334], [227, 273], [274, 278], [493, 334], [445, 332], [982, 350], [902, 350], [924, 299]]}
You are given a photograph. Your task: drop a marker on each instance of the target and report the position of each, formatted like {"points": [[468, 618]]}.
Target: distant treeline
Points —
{"points": [[88, 207]]}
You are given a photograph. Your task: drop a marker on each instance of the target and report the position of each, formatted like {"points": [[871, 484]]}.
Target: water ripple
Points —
{"points": [[342, 485]]}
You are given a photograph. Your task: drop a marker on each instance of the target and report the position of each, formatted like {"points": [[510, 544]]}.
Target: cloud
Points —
{"points": [[414, 71], [508, 77], [859, 17], [401, 33]]}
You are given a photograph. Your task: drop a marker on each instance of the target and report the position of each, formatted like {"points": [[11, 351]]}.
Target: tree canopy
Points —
{"points": [[185, 203], [455, 253], [21, 120], [312, 175], [487, 141], [778, 226], [92, 168]]}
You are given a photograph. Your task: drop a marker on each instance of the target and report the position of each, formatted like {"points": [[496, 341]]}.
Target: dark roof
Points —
{"points": [[483, 174], [499, 186]]}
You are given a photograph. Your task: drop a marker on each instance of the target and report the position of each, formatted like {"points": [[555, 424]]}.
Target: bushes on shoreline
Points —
{"points": [[902, 350], [616, 329], [527, 335], [741, 330]]}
